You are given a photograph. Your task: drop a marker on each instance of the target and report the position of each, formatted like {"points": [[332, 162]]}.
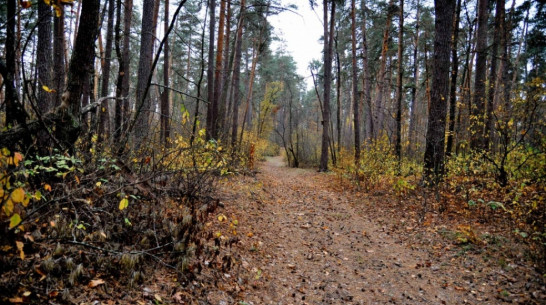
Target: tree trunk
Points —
{"points": [[380, 79], [104, 112], [413, 107], [366, 79], [58, 57], [477, 140], [435, 138], [165, 108], [328, 30], [122, 83], [14, 111], [453, 85], [143, 103], [210, 72], [338, 98], [43, 58], [356, 111], [399, 93], [218, 72], [237, 76]]}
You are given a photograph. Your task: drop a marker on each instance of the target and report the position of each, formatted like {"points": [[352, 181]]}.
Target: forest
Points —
{"points": [[169, 152]]}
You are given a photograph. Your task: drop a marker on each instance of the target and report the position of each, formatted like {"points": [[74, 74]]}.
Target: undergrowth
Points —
{"points": [[69, 220]]}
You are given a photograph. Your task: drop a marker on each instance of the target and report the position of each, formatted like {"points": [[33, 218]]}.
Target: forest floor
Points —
{"points": [[306, 239], [295, 236]]}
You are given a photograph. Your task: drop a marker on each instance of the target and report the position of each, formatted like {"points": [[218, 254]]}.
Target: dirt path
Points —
{"points": [[305, 244]]}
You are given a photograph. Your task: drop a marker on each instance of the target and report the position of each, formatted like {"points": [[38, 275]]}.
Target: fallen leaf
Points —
{"points": [[16, 300], [20, 245], [158, 298], [95, 283]]}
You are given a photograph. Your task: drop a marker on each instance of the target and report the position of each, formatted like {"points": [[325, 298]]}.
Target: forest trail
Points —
{"points": [[303, 242]]}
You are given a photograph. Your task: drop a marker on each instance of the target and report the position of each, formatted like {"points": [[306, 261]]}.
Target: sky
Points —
{"points": [[300, 32]]}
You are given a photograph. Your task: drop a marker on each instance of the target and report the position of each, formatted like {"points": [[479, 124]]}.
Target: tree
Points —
{"points": [[477, 139], [122, 52], [143, 103], [237, 75], [366, 79], [356, 114], [381, 74], [435, 137], [59, 60], [210, 72], [165, 96], [43, 57], [399, 93], [453, 84], [103, 110], [328, 37]]}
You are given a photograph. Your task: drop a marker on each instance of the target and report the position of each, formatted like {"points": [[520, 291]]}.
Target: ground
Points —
{"points": [[304, 241], [296, 236]]}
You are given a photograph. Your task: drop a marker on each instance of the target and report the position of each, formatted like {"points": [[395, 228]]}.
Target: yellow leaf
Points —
{"points": [[14, 220], [98, 184], [124, 203], [58, 10], [8, 207], [77, 179], [47, 187], [17, 157], [221, 217], [26, 201], [95, 283], [1, 193], [18, 195], [38, 195], [16, 300], [27, 293], [20, 246], [48, 90]]}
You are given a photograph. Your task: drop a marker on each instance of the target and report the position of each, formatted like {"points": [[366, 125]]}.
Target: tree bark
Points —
{"points": [[477, 139], [14, 110], [122, 83], [356, 111], [366, 79], [328, 30], [210, 72], [435, 138], [103, 110], [237, 76], [413, 107], [380, 79], [399, 93], [165, 108], [143, 103], [59, 59], [453, 85], [43, 58]]}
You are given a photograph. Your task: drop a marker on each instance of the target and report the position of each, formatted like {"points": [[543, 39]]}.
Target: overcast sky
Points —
{"points": [[301, 32]]}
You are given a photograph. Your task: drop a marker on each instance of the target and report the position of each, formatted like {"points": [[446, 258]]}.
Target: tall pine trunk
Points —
{"points": [[328, 30], [237, 76], [477, 139], [165, 96], [104, 112], [399, 79], [413, 108], [210, 72], [356, 111], [143, 103], [366, 79], [380, 79], [453, 84], [435, 138]]}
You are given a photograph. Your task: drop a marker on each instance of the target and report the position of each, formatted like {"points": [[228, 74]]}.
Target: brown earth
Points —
{"points": [[303, 241]]}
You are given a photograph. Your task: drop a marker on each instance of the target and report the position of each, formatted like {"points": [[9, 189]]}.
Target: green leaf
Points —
{"points": [[14, 220], [128, 222]]}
